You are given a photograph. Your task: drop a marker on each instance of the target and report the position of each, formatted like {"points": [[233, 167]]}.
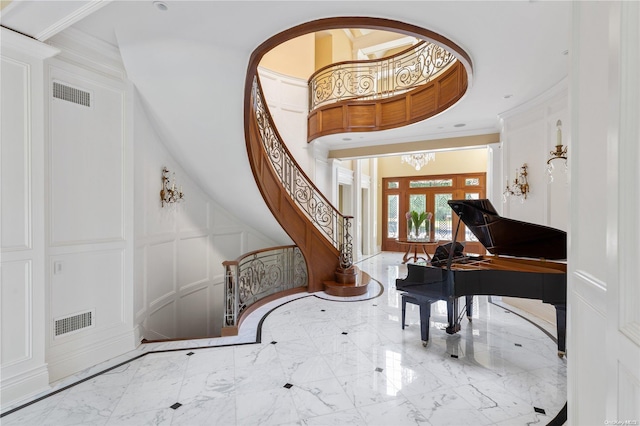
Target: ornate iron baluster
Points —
{"points": [[257, 275], [379, 79], [299, 187]]}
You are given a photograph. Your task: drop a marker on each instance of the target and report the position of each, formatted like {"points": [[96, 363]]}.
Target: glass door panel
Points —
{"points": [[418, 204], [393, 208], [442, 217]]}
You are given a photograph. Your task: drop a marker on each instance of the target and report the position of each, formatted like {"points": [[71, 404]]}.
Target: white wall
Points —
{"points": [[287, 99], [179, 248], [528, 136], [22, 297], [603, 335], [76, 182], [89, 198]]}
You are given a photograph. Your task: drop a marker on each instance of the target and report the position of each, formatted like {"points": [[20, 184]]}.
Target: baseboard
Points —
{"points": [[22, 387], [77, 361]]}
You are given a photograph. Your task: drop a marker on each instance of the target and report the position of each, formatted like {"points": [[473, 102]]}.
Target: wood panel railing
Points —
{"points": [[367, 115]]}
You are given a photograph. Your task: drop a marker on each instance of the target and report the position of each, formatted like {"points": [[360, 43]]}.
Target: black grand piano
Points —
{"points": [[524, 264]]}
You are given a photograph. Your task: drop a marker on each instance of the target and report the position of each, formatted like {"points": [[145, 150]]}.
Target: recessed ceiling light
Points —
{"points": [[459, 125], [160, 5]]}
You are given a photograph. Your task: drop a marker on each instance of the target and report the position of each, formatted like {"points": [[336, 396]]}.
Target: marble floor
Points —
{"points": [[311, 360]]}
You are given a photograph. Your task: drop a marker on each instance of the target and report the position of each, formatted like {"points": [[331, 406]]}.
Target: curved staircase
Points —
{"points": [[319, 230]]}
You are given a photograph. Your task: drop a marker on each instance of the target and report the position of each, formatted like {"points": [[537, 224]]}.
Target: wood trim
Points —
{"points": [[458, 189], [421, 103]]}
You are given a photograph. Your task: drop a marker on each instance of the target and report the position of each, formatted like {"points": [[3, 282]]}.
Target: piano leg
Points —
{"points": [[452, 316], [425, 316], [469, 301], [561, 327]]}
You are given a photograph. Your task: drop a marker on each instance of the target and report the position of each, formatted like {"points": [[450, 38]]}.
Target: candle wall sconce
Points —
{"points": [[519, 187], [169, 194], [559, 153]]}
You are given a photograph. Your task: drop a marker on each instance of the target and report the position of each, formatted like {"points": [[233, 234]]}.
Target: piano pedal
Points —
{"points": [[453, 329]]}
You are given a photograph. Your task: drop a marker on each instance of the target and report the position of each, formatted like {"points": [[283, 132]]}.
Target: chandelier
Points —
{"points": [[418, 160]]}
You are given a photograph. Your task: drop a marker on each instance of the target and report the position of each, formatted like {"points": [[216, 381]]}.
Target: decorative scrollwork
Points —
{"points": [[380, 79], [261, 274], [299, 187]]}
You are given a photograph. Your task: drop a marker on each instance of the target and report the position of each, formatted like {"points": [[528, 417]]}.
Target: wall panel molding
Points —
{"points": [[15, 182], [591, 290]]}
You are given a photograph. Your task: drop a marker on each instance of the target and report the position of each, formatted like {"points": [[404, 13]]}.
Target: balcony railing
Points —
{"points": [[326, 218], [378, 79], [260, 274]]}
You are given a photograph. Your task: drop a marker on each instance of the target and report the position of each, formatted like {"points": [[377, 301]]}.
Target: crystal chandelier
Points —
{"points": [[418, 160]]}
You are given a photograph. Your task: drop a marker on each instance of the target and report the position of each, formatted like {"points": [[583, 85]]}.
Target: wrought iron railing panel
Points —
{"points": [[258, 275], [378, 79], [326, 218]]}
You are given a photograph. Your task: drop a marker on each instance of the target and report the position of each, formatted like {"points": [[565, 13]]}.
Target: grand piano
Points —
{"points": [[524, 262]]}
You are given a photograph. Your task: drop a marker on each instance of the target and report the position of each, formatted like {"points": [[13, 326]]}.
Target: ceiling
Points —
{"points": [[188, 66], [518, 48]]}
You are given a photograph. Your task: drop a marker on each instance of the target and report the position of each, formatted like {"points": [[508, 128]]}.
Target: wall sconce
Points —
{"points": [[520, 186], [169, 194], [559, 153]]}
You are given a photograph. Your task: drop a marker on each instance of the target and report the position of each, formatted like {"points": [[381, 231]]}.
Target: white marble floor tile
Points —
{"points": [[347, 417], [273, 407], [160, 417], [320, 398], [147, 396], [447, 408], [368, 388], [396, 412], [343, 362], [258, 378], [214, 411]]}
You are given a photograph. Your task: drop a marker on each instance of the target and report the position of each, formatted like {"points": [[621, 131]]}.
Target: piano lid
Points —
{"points": [[510, 237]]}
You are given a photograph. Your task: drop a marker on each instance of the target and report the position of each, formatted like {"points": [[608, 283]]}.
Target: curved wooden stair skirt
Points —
{"points": [[349, 282]]}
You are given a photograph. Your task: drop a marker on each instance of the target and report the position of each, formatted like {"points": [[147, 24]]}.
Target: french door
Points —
{"points": [[427, 194]]}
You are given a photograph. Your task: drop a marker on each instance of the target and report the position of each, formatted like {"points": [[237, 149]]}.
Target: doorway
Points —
{"points": [[402, 195]]}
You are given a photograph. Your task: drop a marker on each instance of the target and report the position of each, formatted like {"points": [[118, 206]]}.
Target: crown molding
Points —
{"points": [[72, 18], [81, 48], [13, 40]]}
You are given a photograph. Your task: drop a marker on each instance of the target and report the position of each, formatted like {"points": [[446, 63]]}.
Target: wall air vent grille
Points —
{"points": [[73, 323], [71, 94]]}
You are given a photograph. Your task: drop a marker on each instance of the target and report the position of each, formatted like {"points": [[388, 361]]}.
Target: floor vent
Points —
{"points": [[73, 323], [71, 94]]}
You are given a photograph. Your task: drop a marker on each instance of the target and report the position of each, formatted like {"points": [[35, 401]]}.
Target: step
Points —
{"points": [[357, 287]]}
